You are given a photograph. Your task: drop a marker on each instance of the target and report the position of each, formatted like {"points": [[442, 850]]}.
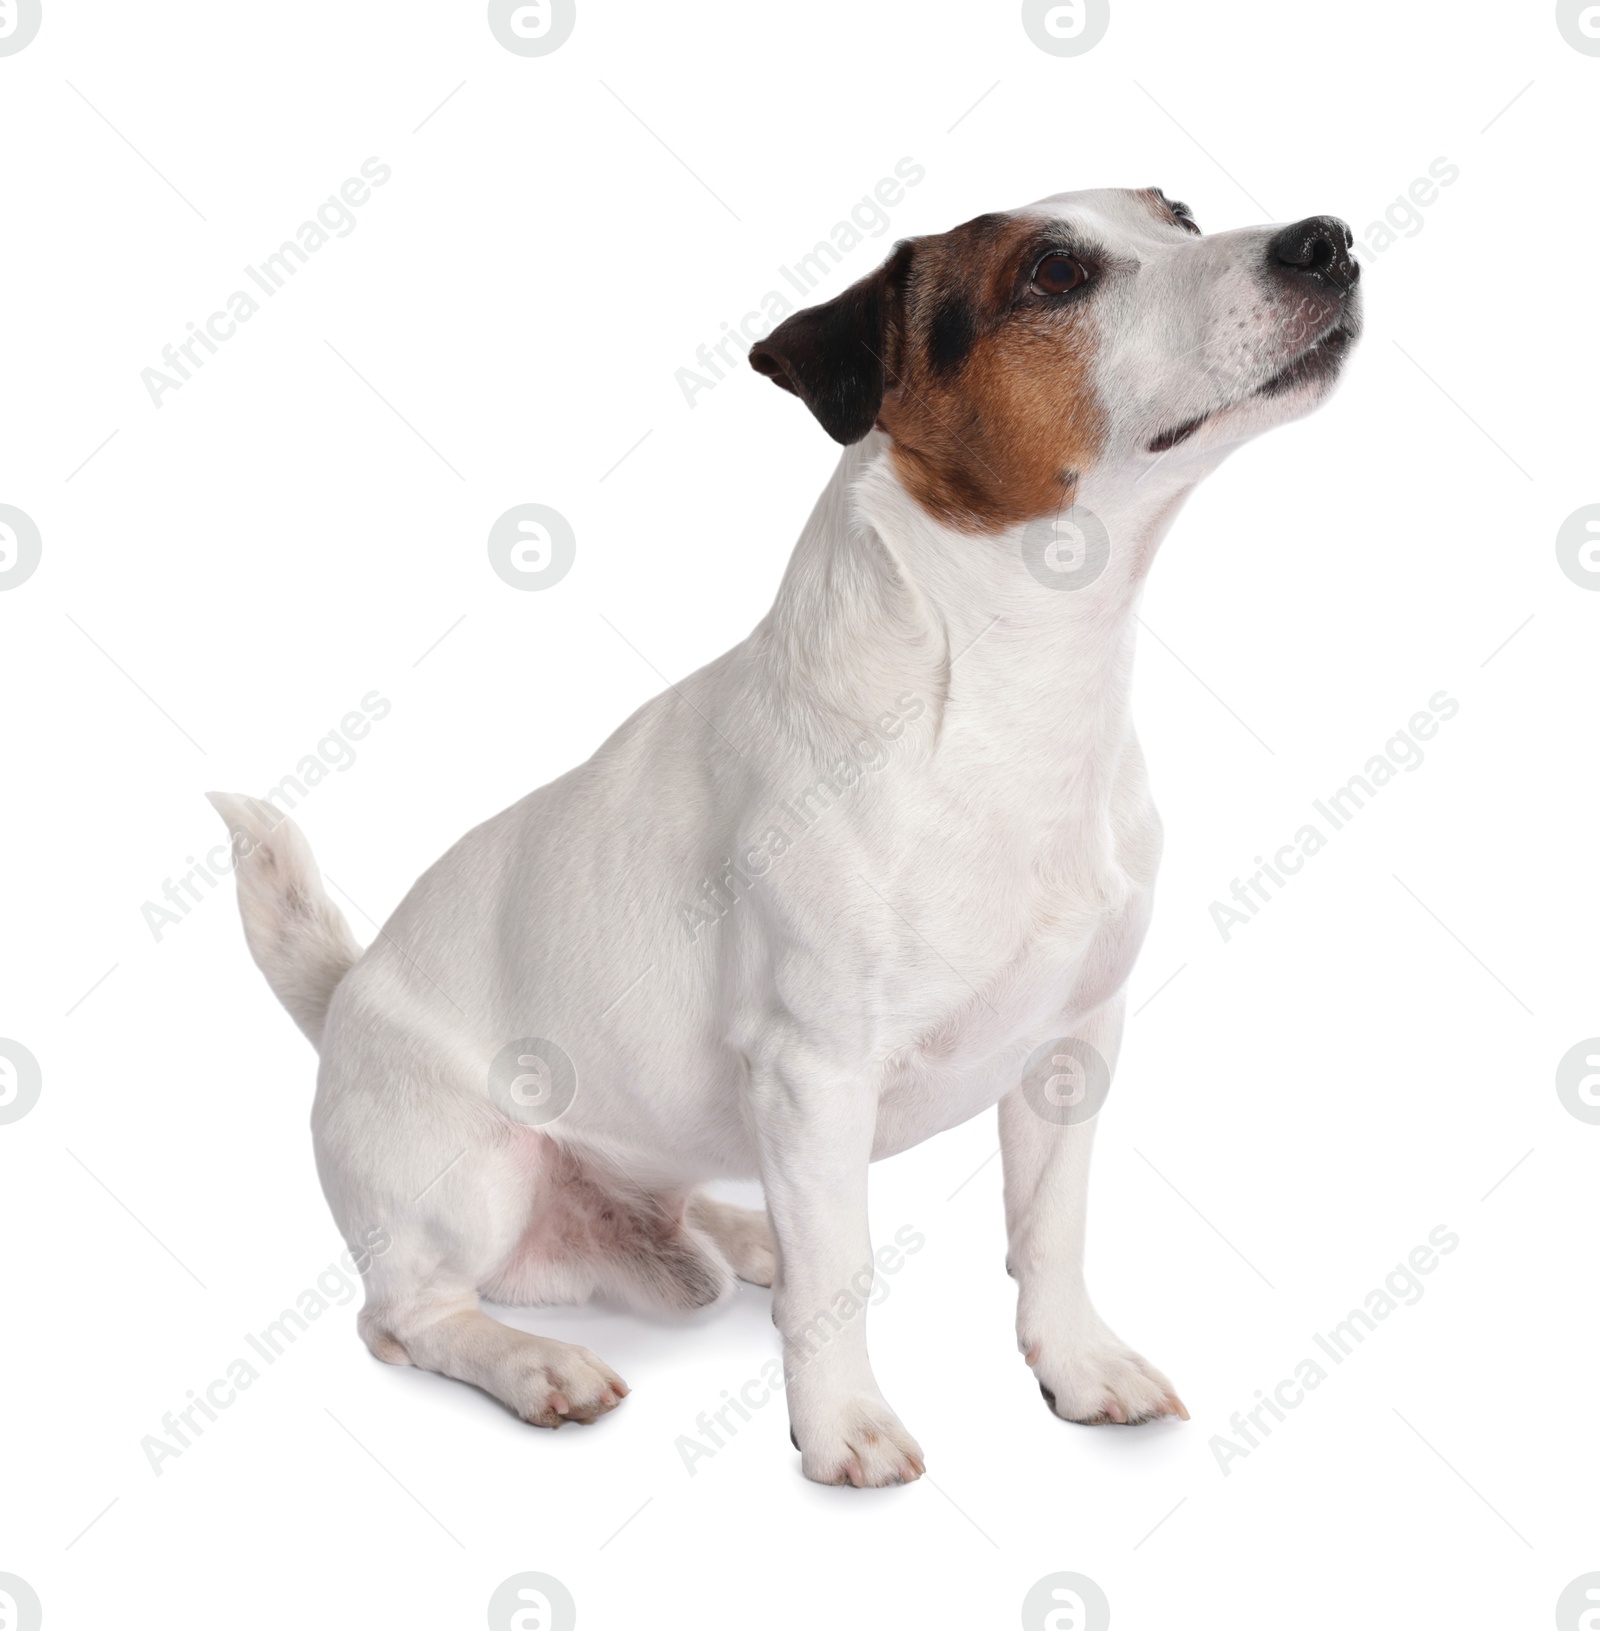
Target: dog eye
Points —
{"points": [[1059, 274]]}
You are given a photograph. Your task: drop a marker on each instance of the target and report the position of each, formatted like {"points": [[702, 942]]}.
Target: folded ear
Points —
{"points": [[835, 357]]}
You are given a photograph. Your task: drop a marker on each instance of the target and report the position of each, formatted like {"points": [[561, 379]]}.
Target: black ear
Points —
{"points": [[834, 357]]}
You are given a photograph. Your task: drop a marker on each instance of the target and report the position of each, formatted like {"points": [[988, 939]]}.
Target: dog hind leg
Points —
{"points": [[595, 1225], [452, 1208]]}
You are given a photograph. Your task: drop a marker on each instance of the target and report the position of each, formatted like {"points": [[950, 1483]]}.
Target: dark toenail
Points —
{"points": [[1049, 1397], [793, 1440]]}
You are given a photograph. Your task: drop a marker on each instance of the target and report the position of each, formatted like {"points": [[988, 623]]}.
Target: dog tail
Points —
{"points": [[298, 937]]}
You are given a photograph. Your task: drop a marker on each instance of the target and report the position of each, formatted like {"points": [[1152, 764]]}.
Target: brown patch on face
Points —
{"points": [[988, 397]]}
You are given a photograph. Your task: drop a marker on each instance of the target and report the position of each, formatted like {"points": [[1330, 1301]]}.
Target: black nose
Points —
{"points": [[1319, 248]]}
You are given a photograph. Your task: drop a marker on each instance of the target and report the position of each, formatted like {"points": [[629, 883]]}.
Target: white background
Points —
{"points": [[1295, 1111]]}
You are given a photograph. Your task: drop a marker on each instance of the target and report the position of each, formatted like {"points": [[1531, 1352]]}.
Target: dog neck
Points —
{"points": [[882, 599]]}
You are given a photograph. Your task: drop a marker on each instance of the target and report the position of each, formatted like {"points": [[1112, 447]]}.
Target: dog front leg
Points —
{"points": [[1086, 1372], [815, 1134]]}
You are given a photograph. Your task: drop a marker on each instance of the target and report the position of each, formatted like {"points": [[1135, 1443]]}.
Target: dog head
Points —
{"points": [[1093, 331]]}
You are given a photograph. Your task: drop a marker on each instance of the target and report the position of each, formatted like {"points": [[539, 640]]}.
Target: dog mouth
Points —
{"points": [[1318, 364], [1179, 433]]}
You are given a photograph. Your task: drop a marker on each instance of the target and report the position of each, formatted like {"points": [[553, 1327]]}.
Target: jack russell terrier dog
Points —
{"points": [[880, 867]]}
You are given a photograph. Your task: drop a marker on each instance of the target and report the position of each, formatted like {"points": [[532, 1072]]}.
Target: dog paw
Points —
{"points": [[755, 1260], [742, 1235], [559, 1382], [861, 1443], [1102, 1380]]}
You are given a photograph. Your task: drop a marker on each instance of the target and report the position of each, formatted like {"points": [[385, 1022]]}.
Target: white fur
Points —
{"points": [[984, 889]]}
